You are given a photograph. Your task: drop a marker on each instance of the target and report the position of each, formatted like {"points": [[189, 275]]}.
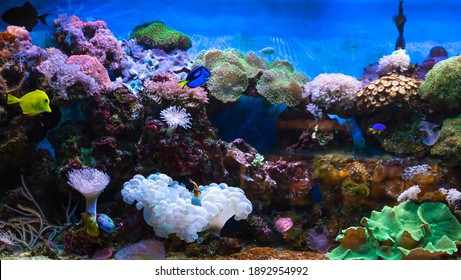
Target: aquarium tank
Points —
{"points": [[235, 130]]}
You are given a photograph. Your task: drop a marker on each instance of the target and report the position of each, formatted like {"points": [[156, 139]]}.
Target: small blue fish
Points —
{"points": [[377, 128], [196, 77], [267, 50]]}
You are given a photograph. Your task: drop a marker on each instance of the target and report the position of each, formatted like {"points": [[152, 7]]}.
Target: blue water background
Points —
{"points": [[316, 35]]}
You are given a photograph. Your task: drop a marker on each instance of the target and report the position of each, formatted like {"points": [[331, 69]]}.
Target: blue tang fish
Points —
{"points": [[196, 77], [377, 128]]}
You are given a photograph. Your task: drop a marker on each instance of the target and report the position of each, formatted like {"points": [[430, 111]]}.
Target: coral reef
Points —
{"points": [[156, 35], [93, 38]]}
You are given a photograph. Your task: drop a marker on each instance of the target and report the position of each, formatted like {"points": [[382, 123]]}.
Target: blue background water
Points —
{"points": [[316, 35]]}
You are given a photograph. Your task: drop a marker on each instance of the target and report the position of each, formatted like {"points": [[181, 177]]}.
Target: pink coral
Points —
{"points": [[92, 38], [69, 82], [282, 225], [165, 86], [91, 67], [19, 32]]}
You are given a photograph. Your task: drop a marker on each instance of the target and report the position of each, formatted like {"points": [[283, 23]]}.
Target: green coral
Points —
{"points": [[448, 146], [443, 85], [234, 73], [406, 140], [406, 231], [281, 84], [231, 71], [159, 36]]}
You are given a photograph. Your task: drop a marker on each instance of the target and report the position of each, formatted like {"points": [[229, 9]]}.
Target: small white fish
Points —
{"points": [[267, 50]]}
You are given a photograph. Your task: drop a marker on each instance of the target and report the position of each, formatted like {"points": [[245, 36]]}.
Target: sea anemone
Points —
{"points": [[90, 183], [176, 116], [282, 225], [319, 239]]}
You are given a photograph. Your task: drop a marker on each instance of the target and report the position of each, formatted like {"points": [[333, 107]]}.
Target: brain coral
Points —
{"points": [[406, 231], [443, 85]]}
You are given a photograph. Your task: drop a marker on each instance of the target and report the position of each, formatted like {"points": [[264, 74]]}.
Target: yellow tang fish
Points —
{"points": [[34, 102]]}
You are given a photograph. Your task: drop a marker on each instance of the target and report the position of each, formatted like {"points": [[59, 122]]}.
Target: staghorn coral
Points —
{"points": [[443, 84], [336, 93], [393, 89], [406, 231]]}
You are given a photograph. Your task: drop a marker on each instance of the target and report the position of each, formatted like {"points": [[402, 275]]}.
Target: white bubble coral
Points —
{"points": [[332, 91], [168, 207], [397, 61], [176, 116]]}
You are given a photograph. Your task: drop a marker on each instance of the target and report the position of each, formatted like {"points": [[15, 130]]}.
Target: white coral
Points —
{"points": [[409, 194], [176, 116], [397, 61], [332, 90], [451, 195], [168, 207]]}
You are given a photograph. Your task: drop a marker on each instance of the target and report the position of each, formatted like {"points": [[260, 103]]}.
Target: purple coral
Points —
{"points": [[92, 38], [68, 80], [282, 225], [319, 239], [149, 249]]}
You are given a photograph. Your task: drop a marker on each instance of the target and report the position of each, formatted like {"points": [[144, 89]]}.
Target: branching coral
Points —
{"points": [[168, 207]]}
